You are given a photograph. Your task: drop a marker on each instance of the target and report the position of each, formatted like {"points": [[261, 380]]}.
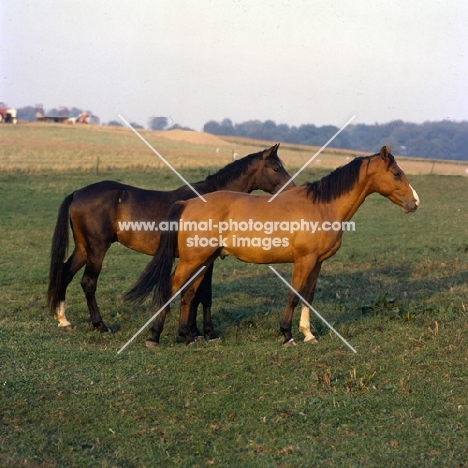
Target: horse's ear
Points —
{"points": [[385, 151], [271, 151]]}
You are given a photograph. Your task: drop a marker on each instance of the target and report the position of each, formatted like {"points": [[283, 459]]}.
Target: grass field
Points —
{"points": [[397, 291]]}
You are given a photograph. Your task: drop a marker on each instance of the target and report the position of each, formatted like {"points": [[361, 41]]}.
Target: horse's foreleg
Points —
{"points": [[304, 277], [304, 325], [286, 321]]}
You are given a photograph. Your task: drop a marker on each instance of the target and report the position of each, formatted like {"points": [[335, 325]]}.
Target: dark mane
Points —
{"points": [[233, 170], [335, 184]]}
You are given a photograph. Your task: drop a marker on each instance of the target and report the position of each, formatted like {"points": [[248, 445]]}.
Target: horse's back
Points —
{"points": [[102, 212], [237, 205]]}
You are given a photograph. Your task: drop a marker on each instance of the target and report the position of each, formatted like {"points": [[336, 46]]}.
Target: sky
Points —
{"points": [[291, 61]]}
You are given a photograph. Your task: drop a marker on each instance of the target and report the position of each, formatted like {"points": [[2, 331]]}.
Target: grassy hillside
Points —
{"points": [[60, 147]]}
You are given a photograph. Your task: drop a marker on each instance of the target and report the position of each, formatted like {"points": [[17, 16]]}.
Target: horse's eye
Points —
{"points": [[397, 174], [276, 169]]}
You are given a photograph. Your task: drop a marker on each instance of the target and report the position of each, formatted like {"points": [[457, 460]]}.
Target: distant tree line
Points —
{"points": [[434, 140]]}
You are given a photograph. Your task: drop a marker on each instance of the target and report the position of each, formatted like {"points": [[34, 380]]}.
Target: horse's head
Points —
{"points": [[391, 182], [271, 175]]}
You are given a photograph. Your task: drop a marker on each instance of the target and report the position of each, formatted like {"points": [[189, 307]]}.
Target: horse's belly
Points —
{"points": [[259, 249], [141, 241]]}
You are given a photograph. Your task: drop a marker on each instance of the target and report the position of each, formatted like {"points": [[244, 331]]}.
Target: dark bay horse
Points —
{"points": [[98, 212], [254, 230]]}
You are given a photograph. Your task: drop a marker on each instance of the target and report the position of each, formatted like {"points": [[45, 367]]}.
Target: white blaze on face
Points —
{"points": [[415, 195]]}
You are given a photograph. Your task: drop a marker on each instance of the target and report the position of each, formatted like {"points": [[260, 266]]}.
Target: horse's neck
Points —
{"points": [[243, 183], [346, 206], [185, 192]]}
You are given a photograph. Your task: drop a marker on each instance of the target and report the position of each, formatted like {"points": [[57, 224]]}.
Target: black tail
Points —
{"points": [[156, 276], [57, 254]]}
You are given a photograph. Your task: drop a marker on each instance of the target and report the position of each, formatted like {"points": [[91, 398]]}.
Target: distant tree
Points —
{"points": [[27, 113], [136, 125], [227, 127], [158, 123], [283, 131], [75, 111], [114, 123], [250, 129], [212, 127]]}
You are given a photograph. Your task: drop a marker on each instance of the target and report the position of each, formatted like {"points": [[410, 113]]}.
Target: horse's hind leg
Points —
{"points": [[181, 276], [191, 324], [89, 284], [157, 329], [191, 328], [185, 302], [203, 296], [76, 260], [206, 296]]}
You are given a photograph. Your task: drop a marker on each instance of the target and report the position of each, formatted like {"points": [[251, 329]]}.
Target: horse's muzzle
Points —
{"points": [[410, 205]]}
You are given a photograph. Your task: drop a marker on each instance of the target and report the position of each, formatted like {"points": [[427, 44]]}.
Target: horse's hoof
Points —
{"points": [[195, 341], [312, 340], [216, 339], [152, 344], [212, 336], [102, 328], [65, 326], [291, 342]]}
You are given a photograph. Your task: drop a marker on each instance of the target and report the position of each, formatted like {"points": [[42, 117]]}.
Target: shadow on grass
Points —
{"points": [[254, 300], [346, 296]]}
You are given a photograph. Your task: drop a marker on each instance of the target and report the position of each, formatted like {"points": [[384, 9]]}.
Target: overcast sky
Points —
{"points": [[294, 62]]}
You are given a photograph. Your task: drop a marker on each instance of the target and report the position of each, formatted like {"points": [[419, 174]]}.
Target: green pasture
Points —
{"points": [[397, 291]]}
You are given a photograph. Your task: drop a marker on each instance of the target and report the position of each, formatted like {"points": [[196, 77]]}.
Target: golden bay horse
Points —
{"points": [[108, 212], [302, 226]]}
